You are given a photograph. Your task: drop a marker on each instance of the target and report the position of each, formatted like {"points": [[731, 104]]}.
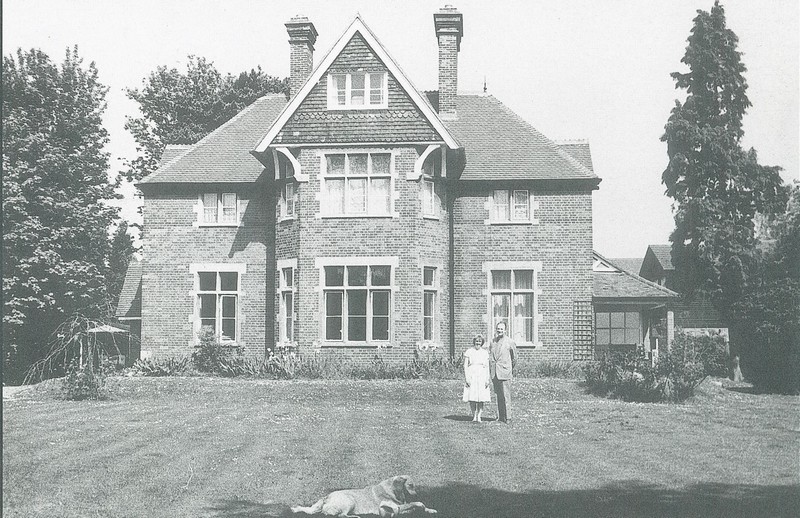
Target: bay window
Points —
{"points": [[357, 301]]}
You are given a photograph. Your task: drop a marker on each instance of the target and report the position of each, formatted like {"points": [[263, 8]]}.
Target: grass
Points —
{"points": [[212, 447]]}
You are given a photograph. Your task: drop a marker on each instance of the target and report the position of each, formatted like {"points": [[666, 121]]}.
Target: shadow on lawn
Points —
{"points": [[629, 499], [467, 418]]}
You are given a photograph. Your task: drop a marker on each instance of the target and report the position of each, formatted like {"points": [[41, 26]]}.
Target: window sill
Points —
{"points": [[430, 217], [356, 216], [287, 218], [358, 107], [357, 345], [528, 222], [223, 225]]}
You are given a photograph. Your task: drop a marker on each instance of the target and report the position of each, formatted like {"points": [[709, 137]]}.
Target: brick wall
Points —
{"points": [[561, 241], [172, 241]]}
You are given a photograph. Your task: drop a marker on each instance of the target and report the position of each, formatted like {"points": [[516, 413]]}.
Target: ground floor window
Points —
{"points": [[514, 299], [286, 323], [217, 302], [618, 327], [357, 302], [429, 302]]}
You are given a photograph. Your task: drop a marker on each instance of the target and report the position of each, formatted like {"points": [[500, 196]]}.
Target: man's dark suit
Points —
{"points": [[502, 358]]}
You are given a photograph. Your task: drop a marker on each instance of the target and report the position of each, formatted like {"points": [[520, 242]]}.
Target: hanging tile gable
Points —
{"points": [[314, 123]]}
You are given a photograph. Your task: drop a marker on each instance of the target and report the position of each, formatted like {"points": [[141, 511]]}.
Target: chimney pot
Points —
{"points": [[302, 36]]}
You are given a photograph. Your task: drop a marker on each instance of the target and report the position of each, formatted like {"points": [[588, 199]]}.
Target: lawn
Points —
{"points": [[211, 447]]}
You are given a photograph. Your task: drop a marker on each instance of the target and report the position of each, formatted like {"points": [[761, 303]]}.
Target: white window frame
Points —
{"points": [[430, 290], [512, 323], [288, 201], [333, 93], [220, 268], [323, 262], [287, 318], [507, 212], [327, 206], [219, 206], [429, 199]]}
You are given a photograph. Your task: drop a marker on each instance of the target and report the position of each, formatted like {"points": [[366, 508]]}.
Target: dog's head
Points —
{"points": [[403, 488]]}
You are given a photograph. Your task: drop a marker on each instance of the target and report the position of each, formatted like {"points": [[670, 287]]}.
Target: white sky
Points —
{"points": [[577, 69]]}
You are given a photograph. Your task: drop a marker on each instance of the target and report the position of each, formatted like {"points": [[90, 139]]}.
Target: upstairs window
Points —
{"points": [[287, 201], [357, 184], [220, 208], [511, 206], [357, 90]]}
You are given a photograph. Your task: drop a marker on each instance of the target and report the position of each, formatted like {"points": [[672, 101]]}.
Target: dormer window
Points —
{"points": [[357, 90]]}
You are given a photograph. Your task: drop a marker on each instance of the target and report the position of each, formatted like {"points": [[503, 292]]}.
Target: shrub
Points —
{"points": [[631, 377], [161, 367], [548, 369], [709, 350], [209, 353], [84, 382]]}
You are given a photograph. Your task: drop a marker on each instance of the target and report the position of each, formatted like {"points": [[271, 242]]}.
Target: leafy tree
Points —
{"points": [[122, 250], [181, 108], [55, 184], [718, 188]]}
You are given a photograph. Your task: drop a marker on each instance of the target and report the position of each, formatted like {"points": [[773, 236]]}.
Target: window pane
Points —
{"points": [[210, 323], [618, 320], [381, 275], [603, 337], [335, 196], [229, 207], [501, 307], [501, 205], [523, 305], [358, 164], [428, 198], [357, 329], [339, 84], [357, 89], [335, 165], [602, 319], [208, 281], [288, 197], [632, 320], [380, 328], [229, 306], [210, 208], [632, 336], [523, 279], [427, 328], [428, 275], [356, 195], [333, 315], [381, 163], [376, 88], [229, 281], [379, 196], [229, 328], [334, 276], [501, 279], [356, 302], [208, 306], [428, 300], [521, 206], [333, 328], [617, 336], [356, 275], [288, 277], [380, 303]]}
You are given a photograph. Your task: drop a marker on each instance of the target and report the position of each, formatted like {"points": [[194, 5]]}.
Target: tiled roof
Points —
{"points": [[500, 145], [224, 154], [629, 264], [130, 298], [663, 253], [171, 152], [579, 150], [622, 284]]}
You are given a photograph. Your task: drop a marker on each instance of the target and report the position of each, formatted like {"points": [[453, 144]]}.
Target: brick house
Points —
{"points": [[362, 216]]}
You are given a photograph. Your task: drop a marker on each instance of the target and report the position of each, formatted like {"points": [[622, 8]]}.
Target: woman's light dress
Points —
{"points": [[476, 363]]}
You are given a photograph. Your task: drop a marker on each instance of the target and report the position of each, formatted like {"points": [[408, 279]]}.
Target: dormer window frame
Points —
{"points": [[339, 99]]}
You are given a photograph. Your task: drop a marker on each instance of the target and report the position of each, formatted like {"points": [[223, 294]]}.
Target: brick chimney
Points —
{"points": [[302, 36], [449, 29]]}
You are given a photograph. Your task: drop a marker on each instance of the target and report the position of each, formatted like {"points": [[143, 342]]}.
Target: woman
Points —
{"points": [[476, 378]]}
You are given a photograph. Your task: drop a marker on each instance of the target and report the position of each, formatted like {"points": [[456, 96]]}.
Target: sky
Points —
{"points": [[574, 69]]}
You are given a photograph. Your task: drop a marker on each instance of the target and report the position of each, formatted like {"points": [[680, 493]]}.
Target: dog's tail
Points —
{"points": [[314, 509]]}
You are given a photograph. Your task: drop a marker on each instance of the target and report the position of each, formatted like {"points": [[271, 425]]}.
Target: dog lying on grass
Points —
{"points": [[392, 497]]}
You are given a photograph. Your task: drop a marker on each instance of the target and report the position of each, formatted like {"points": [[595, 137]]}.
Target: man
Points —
{"points": [[502, 360]]}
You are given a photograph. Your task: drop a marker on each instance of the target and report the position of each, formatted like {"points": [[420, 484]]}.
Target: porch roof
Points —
{"points": [[613, 283]]}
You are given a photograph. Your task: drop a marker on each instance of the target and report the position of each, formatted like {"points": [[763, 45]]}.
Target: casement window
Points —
{"points": [[220, 208], [357, 90], [428, 198], [286, 311], [217, 303], [511, 206], [287, 201], [357, 184], [429, 286], [618, 328], [357, 302], [513, 299]]}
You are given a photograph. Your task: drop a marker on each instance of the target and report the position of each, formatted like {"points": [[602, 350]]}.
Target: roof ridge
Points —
{"points": [[571, 141], [563, 154], [155, 174]]}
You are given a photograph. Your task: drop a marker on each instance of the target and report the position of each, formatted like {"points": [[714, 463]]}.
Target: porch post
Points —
{"points": [[670, 328]]}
